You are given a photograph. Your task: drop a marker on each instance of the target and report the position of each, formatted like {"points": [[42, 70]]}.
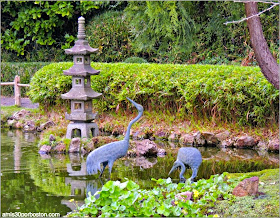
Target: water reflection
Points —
{"points": [[33, 182]]}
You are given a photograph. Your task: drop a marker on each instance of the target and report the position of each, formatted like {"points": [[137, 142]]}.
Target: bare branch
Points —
{"points": [[258, 14]]}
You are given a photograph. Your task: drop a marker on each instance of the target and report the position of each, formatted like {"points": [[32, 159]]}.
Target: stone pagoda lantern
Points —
{"points": [[82, 119]]}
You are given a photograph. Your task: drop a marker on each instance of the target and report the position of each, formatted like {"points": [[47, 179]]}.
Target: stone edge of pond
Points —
{"points": [[222, 139]]}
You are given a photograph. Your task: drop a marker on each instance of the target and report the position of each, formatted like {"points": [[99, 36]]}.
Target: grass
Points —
{"points": [[263, 206]]}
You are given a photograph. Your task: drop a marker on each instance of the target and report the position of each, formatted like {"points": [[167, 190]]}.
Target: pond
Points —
{"points": [[31, 182]]}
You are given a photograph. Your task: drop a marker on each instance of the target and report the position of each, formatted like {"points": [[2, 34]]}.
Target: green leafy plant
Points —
{"points": [[126, 199]]}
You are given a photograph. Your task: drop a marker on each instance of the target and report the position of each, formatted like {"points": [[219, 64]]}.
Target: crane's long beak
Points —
{"points": [[172, 169]]}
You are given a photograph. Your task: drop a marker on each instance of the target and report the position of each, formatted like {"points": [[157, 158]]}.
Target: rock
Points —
{"points": [[46, 125], [45, 149], [139, 135], [262, 146], [146, 148], [223, 135], [60, 148], [11, 123], [131, 153], [18, 125], [51, 138], [245, 142], [29, 126], [198, 139], [161, 152], [174, 137], [210, 138], [247, 187], [161, 135], [184, 196], [226, 143], [20, 114], [75, 145], [187, 139], [273, 145], [88, 146]]}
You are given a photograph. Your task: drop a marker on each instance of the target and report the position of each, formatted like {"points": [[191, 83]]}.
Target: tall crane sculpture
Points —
{"points": [[107, 154]]}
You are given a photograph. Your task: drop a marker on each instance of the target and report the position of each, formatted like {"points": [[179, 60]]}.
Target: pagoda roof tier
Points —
{"points": [[80, 116], [81, 70], [83, 94], [81, 47]]}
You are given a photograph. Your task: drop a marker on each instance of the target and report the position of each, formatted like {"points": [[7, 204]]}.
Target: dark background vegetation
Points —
{"points": [[157, 31]]}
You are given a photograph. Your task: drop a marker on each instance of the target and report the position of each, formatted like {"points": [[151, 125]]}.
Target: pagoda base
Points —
{"points": [[86, 130]]}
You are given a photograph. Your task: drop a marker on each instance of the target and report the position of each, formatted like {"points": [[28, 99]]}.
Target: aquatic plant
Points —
{"points": [[126, 199]]}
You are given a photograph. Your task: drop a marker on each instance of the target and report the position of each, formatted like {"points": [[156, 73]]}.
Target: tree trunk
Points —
{"points": [[266, 61]]}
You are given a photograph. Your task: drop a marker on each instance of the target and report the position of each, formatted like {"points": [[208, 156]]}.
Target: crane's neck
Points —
{"points": [[126, 138]]}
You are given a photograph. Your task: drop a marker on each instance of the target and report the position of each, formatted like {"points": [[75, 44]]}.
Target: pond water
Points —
{"points": [[31, 182]]}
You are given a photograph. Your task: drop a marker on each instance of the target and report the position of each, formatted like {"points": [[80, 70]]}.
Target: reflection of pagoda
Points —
{"points": [[81, 94]]}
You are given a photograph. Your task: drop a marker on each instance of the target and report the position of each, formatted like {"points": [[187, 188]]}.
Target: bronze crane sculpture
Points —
{"points": [[187, 156], [107, 154]]}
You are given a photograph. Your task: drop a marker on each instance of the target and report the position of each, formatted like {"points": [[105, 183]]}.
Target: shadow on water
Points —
{"points": [[31, 182]]}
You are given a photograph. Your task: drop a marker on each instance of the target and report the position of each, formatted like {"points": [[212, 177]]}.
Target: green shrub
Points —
{"points": [[225, 93], [110, 33], [135, 60], [25, 70]]}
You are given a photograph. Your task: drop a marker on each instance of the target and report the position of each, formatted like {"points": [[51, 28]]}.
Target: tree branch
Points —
{"points": [[254, 15]]}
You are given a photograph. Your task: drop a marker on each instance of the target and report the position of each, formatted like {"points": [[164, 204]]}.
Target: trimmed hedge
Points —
{"points": [[25, 70], [226, 93]]}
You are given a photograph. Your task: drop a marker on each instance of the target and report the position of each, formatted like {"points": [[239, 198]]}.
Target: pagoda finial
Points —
{"points": [[81, 28]]}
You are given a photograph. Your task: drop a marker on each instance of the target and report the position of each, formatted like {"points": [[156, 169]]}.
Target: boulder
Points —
{"points": [[29, 126], [187, 139], [247, 187], [46, 125], [262, 146], [227, 143], [245, 142], [11, 122], [198, 139], [184, 196], [18, 125], [273, 145], [146, 148], [45, 149], [75, 145], [223, 135], [174, 137], [20, 114], [60, 148], [161, 152], [210, 138], [161, 135]]}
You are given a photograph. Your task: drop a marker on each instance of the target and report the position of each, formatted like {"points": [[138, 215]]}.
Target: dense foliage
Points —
{"points": [[126, 199], [225, 93], [30, 25], [24, 70], [109, 33], [158, 31]]}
